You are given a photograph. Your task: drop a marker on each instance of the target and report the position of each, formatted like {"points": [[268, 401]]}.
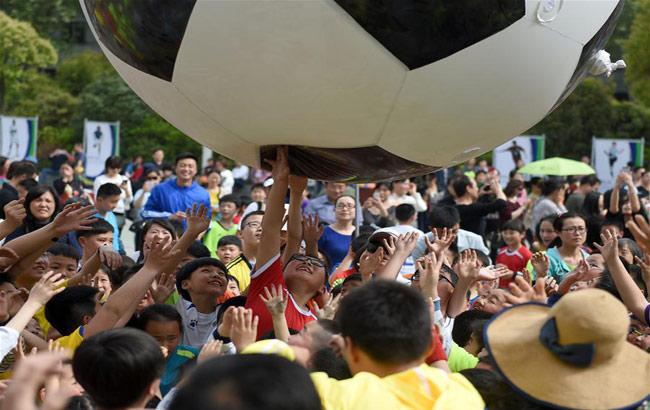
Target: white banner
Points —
{"points": [[19, 137], [610, 156], [523, 149], [101, 140]]}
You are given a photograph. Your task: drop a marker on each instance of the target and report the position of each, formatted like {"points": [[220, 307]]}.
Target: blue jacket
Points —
{"points": [[168, 198]]}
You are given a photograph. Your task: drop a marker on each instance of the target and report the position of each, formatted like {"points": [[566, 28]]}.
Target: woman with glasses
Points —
{"points": [[572, 234], [336, 238]]}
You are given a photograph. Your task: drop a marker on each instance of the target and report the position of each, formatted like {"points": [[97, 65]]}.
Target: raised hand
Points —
{"points": [[440, 243], [243, 331], [491, 273], [469, 267], [48, 286], [522, 292], [159, 255], [297, 184], [15, 212], [429, 267], [197, 219], [74, 217], [311, 228], [227, 321], [609, 248], [109, 257], [540, 263], [210, 350], [368, 263], [275, 300], [644, 264], [328, 311], [280, 165], [641, 232], [164, 288]]}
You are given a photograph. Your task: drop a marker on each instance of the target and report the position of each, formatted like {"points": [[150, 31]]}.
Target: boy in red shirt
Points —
{"points": [[303, 277], [514, 255]]}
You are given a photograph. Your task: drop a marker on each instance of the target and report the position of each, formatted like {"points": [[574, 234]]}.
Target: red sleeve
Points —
{"points": [[437, 351], [268, 274]]}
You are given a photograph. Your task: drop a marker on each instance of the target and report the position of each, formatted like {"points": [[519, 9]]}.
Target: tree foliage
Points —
{"points": [[22, 50], [76, 72], [637, 54], [48, 17]]}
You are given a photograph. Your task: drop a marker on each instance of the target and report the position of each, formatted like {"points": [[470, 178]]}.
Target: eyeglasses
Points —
{"points": [[152, 179], [308, 259], [575, 229], [253, 225], [345, 206]]}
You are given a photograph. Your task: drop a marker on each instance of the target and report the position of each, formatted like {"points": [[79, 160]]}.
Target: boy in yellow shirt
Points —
{"points": [[385, 338]]}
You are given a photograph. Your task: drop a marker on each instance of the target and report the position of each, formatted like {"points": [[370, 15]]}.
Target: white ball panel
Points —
{"points": [[300, 72], [578, 19], [465, 101]]}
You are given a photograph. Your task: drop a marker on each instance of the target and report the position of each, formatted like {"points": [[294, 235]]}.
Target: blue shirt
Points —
{"points": [[168, 198], [334, 245], [111, 219], [177, 359]]}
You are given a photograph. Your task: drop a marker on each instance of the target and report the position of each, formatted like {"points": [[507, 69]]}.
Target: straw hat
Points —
{"points": [[573, 354]]}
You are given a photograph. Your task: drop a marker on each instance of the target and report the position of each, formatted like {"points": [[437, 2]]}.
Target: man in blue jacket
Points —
{"points": [[171, 198]]}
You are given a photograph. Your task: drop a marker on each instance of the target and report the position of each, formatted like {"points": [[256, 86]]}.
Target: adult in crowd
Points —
{"points": [[4, 168], [545, 234], [157, 160], [551, 202], [378, 209], [214, 189], [473, 212], [324, 205], [568, 254], [588, 183], [624, 201], [69, 186], [405, 192], [112, 175], [18, 171], [172, 198], [644, 185], [336, 237], [151, 179], [227, 178], [42, 205], [240, 173]]}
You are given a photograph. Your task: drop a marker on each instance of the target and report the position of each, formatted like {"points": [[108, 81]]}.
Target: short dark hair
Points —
{"points": [[65, 311], [404, 212], [558, 224], [185, 155], [35, 193], [464, 325], [28, 183], [114, 162], [245, 219], [444, 217], [389, 321], [107, 190], [100, 226], [230, 198], [164, 223], [159, 313], [250, 381], [198, 250], [21, 168], [188, 269], [589, 180], [512, 187], [549, 186], [460, 185], [513, 225], [259, 185], [65, 250], [116, 367], [229, 240]]}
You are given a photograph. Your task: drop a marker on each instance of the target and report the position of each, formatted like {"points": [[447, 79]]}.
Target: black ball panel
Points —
{"points": [[421, 32], [145, 34]]}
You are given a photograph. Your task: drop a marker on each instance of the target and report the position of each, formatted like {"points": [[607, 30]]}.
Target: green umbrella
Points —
{"points": [[557, 166]]}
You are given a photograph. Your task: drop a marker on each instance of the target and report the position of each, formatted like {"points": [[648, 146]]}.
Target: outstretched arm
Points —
{"points": [[630, 292], [297, 185], [272, 221], [124, 301]]}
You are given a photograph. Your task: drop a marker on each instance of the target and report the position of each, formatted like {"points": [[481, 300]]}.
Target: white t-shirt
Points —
{"points": [[227, 182], [409, 264], [8, 341], [117, 180], [197, 326]]}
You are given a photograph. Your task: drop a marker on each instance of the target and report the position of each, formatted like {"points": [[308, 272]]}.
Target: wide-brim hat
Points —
{"points": [[572, 355]]}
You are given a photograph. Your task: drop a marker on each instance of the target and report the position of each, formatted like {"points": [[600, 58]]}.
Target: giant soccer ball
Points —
{"points": [[359, 89]]}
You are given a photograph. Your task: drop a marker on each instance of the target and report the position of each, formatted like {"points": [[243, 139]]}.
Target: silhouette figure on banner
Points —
{"points": [[612, 154], [14, 141], [97, 144]]}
